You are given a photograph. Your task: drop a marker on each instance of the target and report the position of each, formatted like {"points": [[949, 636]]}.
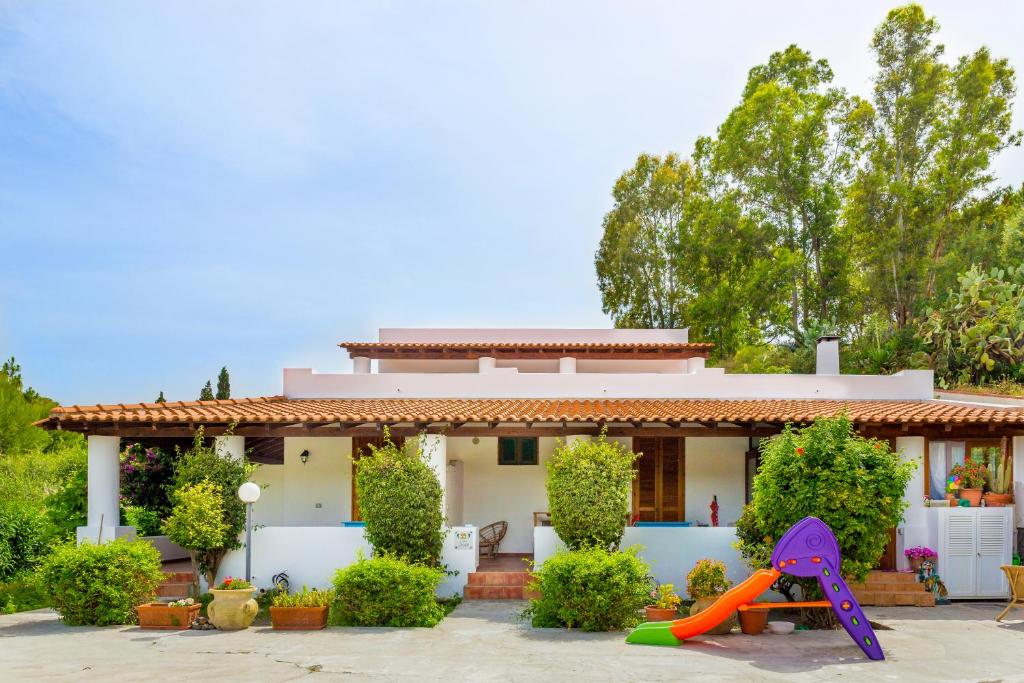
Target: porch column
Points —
{"points": [[104, 492], [913, 529], [361, 365], [695, 364], [435, 448], [573, 438], [231, 447], [567, 365], [486, 364]]}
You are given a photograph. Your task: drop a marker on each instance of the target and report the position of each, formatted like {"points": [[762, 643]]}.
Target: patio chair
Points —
{"points": [[1015, 575], [491, 536]]}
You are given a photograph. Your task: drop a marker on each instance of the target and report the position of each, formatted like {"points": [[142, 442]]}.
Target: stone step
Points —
{"points": [[918, 598], [497, 593], [885, 587], [179, 577], [498, 578], [891, 577], [172, 589]]}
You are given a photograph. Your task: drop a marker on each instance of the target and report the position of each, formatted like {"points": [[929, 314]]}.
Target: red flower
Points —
{"points": [[799, 451]]}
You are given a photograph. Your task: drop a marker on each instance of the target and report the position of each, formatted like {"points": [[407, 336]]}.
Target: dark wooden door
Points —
{"points": [[659, 487], [887, 562]]}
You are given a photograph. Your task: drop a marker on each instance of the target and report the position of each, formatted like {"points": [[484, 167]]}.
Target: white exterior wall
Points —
{"points": [[293, 490], [699, 382], [715, 466], [913, 530]]}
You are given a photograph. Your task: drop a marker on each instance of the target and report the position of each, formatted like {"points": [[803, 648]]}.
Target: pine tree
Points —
{"points": [[207, 393], [160, 398], [223, 384]]}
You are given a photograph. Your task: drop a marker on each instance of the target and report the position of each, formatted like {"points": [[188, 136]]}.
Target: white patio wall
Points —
{"points": [[310, 555], [671, 551], [293, 490], [715, 466]]}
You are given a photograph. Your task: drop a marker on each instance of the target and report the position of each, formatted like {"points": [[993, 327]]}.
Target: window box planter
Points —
{"points": [[998, 500], [158, 616], [298, 618], [660, 613], [232, 610]]}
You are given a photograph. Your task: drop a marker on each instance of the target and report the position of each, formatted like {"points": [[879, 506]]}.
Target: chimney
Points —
{"points": [[827, 355]]}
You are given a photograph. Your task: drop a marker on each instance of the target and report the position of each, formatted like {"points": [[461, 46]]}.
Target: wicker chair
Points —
{"points": [[1015, 575], [491, 536]]}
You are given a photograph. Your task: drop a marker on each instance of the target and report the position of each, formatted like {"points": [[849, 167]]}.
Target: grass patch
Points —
{"points": [[1001, 388]]}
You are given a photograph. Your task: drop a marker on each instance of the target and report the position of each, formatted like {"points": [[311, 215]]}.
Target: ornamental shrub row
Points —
{"points": [[386, 591]]}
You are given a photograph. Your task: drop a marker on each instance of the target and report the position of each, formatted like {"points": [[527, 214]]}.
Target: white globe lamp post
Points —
{"points": [[248, 493]]}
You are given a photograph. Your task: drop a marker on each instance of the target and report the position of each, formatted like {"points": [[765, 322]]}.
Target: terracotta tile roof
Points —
{"points": [[471, 350], [277, 409]]}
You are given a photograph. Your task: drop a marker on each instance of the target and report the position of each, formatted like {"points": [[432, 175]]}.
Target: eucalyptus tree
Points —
{"points": [[789, 148], [927, 174]]}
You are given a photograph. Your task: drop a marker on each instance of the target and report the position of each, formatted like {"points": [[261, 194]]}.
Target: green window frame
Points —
{"points": [[517, 450]]}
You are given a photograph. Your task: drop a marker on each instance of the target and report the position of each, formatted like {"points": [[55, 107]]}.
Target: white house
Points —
{"points": [[489, 406]]}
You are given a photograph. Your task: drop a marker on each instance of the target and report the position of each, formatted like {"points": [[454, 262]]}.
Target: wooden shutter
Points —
{"points": [[671, 503], [645, 485]]}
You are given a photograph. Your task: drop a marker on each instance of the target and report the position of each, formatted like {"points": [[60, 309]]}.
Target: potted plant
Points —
{"points": [[666, 603], [168, 616], [304, 611], [918, 554], [705, 583], [971, 477], [232, 608], [1000, 482]]}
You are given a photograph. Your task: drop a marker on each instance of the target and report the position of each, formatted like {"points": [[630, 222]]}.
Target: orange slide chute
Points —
{"points": [[724, 606]]}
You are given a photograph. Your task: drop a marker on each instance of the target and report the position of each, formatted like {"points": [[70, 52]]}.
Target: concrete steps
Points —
{"points": [[497, 586], [892, 589]]}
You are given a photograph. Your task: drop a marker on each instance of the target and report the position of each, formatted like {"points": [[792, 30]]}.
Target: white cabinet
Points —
{"points": [[972, 544]]}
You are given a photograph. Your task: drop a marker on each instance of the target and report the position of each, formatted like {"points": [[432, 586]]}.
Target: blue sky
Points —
{"points": [[189, 185]]}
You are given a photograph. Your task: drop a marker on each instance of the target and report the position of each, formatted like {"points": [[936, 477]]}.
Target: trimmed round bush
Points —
{"points": [[593, 589], [400, 501], [101, 585], [589, 486], [386, 591]]}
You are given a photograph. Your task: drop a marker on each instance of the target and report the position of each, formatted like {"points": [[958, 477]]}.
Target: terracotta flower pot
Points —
{"points": [[158, 616], [299, 618], [915, 563], [998, 500], [971, 495], [232, 610], [701, 604], [661, 613], [753, 621], [951, 499]]}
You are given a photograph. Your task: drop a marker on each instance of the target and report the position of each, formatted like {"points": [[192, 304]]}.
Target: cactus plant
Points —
{"points": [[999, 474]]}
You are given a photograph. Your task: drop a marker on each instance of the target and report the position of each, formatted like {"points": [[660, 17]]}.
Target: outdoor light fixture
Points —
{"points": [[304, 456], [248, 493]]}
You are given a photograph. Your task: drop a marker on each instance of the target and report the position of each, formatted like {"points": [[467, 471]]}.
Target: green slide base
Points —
{"points": [[653, 633]]}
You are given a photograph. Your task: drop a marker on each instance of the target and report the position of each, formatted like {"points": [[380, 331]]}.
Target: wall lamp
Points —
{"points": [[304, 456]]}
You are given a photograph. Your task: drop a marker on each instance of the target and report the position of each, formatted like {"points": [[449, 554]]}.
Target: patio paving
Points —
{"points": [[483, 641]]}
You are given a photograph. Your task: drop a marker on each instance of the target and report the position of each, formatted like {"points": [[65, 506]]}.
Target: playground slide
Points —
{"points": [[671, 632]]}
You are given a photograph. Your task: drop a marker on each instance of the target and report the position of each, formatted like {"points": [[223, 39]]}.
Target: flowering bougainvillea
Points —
{"points": [[145, 474]]}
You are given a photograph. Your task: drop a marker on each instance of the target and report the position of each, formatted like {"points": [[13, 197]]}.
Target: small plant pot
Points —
{"points": [[701, 604], [915, 563], [998, 500], [158, 616], [973, 496], [298, 618], [232, 610], [660, 613], [753, 621], [951, 499]]}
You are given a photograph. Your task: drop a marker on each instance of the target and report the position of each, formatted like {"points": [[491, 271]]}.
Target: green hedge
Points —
{"points": [[591, 589], [101, 585], [589, 485], [24, 534], [386, 591]]}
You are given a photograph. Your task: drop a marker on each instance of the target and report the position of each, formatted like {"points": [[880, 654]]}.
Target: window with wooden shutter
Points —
{"points": [[515, 450]]}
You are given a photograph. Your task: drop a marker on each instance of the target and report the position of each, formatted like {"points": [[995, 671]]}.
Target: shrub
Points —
{"points": [[197, 522], [765, 359], [146, 475], [400, 501], [101, 585], [146, 521], [68, 505], [20, 594], [977, 334], [665, 597], [707, 579], [853, 484], [386, 591], [304, 598], [23, 539], [589, 487], [202, 463], [593, 589]]}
